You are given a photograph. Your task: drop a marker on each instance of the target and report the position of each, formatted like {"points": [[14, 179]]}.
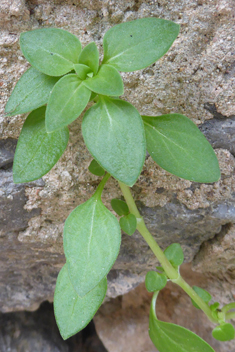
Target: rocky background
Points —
{"points": [[196, 78]]}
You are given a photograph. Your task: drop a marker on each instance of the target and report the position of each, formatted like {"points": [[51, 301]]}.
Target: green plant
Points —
{"points": [[63, 79]]}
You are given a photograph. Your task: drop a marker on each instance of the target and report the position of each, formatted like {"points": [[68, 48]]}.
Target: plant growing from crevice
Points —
{"points": [[63, 79]]}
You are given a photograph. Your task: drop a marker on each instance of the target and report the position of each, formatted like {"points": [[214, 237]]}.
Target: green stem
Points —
{"points": [[100, 188], [170, 271], [230, 315], [228, 307]]}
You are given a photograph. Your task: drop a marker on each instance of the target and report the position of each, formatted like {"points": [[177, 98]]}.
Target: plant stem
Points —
{"points": [[100, 188], [227, 307], [230, 315], [170, 271]]}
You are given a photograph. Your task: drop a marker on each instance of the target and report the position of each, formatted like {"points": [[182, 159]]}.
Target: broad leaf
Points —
{"points": [[68, 99], [137, 44], [82, 70], [92, 240], [128, 224], [114, 135], [168, 337], [224, 332], [120, 207], [72, 312], [174, 254], [37, 151], [178, 146], [155, 281], [96, 169], [203, 294], [90, 57], [52, 51], [107, 82], [31, 91]]}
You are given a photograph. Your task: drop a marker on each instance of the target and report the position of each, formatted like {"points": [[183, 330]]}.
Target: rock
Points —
{"points": [[122, 323], [38, 332]]}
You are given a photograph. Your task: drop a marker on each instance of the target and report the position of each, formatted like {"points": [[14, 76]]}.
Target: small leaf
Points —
{"points": [[52, 51], [31, 91], [92, 240], [68, 99], [214, 306], [174, 254], [37, 151], [155, 281], [137, 44], [107, 82], [114, 135], [203, 294], [120, 207], [90, 57], [96, 169], [72, 312], [178, 146], [128, 224], [82, 71], [224, 332], [159, 268], [168, 337]]}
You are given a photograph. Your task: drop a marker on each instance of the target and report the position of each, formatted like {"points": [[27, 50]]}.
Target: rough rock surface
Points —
{"points": [[196, 78]]}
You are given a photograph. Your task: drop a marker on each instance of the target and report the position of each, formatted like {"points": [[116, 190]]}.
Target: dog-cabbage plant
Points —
{"points": [[62, 80]]}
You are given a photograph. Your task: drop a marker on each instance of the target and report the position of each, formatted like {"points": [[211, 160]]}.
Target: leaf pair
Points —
{"points": [[128, 221]]}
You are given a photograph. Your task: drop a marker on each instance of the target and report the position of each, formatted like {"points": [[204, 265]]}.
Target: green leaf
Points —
{"points": [[68, 99], [120, 207], [92, 240], [107, 82], [214, 306], [72, 312], [168, 337], [174, 254], [96, 169], [82, 70], [37, 151], [31, 91], [52, 51], [114, 135], [155, 281], [178, 146], [90, 57], [128, 224], [159, 268], [137, 44], [224, 332], [203, 294]]}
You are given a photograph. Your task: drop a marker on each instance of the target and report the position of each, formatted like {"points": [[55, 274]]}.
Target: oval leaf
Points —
{"points": [[137, 44], [96, 169], [68, 99], [37, 151], [52, 51], [203, 294], [174, 254], [155, 281], [128, 224], [120, 207], [114, 135], [90, 57], [107, 81], [224, 332], [92, 240], [31, 91], [72, 312], [177, 145]]}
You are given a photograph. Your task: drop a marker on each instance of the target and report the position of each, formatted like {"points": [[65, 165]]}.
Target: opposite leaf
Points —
{"points": [[37, 151], [90, 57], [120, 207], [203, 294], [155, 281], [174, 254], [224, 332], [52, 51], [96, 169], [178, 146], [31, 91], [72, 312], [137, 44], [128, 224], [114, 135], [92, 240], [68, 99], [107, 82]]}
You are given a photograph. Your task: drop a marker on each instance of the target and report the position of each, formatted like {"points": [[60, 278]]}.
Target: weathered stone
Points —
{"points": [[122, 323]]}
